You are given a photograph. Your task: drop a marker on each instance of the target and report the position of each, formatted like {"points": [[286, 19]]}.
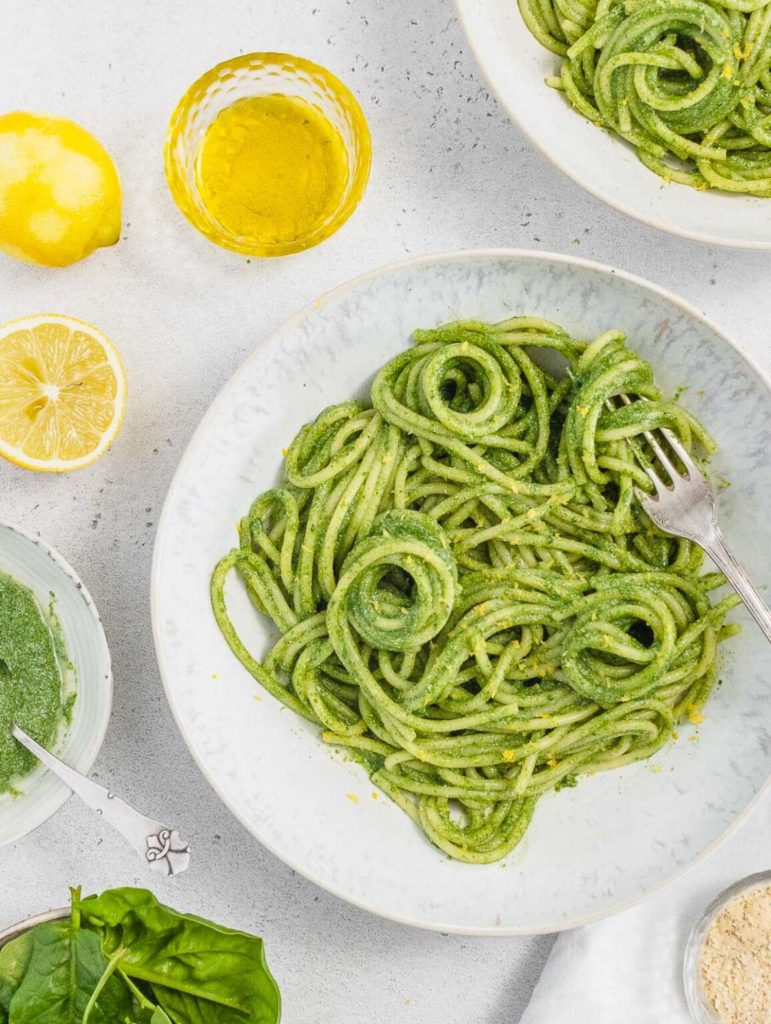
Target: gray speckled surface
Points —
{"points": [[449, 172]]}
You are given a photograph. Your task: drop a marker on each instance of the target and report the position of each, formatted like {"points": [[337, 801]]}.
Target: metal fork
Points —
{"points": [[161, 848], [687, 507]]}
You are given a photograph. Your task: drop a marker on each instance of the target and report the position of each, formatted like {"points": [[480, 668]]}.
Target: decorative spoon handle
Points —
{"points": [[161, 848]]}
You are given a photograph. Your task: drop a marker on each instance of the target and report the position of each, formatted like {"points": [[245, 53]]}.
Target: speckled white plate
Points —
{"points": [[515, 64], [590, 850], [45, 572]]}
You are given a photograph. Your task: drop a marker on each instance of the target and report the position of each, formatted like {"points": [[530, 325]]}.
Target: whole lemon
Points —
{"points": [[59, 191]]}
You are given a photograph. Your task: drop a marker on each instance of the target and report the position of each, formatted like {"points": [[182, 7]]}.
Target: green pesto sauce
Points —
{"points": [[31, 682]]}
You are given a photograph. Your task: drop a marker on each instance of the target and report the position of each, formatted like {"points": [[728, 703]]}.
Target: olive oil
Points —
{"points": [[272, 169]]}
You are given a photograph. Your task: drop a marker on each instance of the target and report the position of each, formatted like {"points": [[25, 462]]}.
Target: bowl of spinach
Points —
{"points": [[124, 958]]}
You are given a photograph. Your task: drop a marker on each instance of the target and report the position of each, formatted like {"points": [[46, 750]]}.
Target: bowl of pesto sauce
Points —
{"points": [[55, 677]]}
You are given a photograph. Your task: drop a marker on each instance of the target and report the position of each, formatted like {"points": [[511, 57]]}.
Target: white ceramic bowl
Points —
{"points": [[589, 850], [45, 572], [515, 64]]}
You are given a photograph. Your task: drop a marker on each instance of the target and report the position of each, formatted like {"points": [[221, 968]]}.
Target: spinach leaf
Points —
{"points": [[199, 972], [146, 1012], [186, 1009], [158, 1016], [152, 1015], [65, 965], [14, 957]]}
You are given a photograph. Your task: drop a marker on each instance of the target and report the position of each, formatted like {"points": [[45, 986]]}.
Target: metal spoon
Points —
{"points": [[161, 848]]}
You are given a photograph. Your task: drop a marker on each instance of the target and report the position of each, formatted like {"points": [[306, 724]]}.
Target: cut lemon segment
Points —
{"points": [[62, 393]]}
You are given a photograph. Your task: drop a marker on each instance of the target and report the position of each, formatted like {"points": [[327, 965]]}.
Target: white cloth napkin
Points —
{"points": [[628, 968]]}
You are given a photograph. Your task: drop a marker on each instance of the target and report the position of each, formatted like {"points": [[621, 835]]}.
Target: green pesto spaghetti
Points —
{"points": [[470, 600], [686, 82]]}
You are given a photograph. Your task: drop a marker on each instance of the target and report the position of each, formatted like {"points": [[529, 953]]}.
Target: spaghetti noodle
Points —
{"points": [[686, 82], [471, 602]]}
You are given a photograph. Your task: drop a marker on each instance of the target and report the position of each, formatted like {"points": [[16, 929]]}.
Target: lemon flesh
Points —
{"points": [[62, 393], [60, 195]]}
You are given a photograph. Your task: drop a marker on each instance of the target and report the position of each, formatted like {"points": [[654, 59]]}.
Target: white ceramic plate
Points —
{"points": [[590, 850], [515, 64], [45, 572]]}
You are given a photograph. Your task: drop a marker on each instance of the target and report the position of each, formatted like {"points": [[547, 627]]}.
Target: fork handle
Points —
{"points": [[723, 558], [160, 847]]}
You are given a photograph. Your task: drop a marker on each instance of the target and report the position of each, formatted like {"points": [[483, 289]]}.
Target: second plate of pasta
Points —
{"points": [[450, 557], [685, 85]]}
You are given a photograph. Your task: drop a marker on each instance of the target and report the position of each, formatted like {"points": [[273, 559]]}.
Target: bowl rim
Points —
{"points": [[459, 256], [107, 682], [14, 931], [463, 8]]}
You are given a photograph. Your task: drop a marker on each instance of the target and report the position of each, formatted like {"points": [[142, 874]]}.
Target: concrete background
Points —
{"points": [[449, 172]]}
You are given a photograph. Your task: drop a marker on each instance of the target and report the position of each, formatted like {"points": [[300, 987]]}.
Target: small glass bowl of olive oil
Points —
{"points": [[267, 154]]}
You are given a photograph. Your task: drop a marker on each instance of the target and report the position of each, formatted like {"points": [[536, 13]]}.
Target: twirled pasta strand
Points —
{"points": [[470, 600], [686, 82]]}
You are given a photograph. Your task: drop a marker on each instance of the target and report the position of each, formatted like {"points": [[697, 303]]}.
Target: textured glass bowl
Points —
{"points": [[702, 1010], [263, 74]]}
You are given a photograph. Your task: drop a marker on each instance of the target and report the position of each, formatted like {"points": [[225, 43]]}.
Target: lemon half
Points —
{"points": [[62, 393], [60, 195]]}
